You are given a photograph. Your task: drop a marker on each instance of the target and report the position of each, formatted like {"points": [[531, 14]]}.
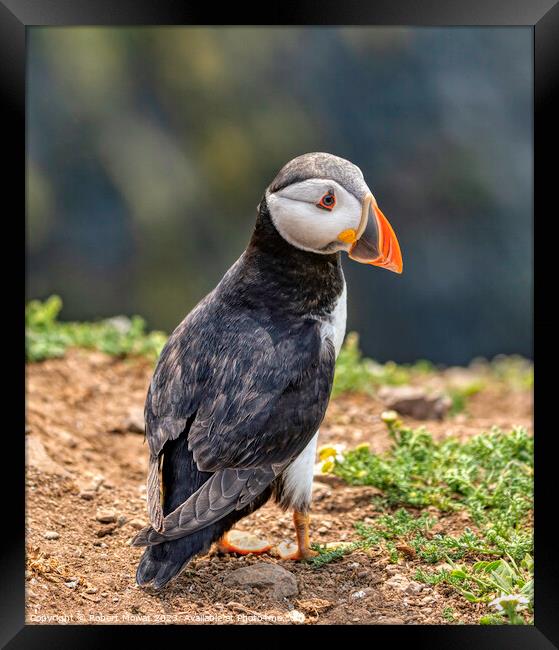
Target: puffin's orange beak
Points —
{"points": [[376, 242]]}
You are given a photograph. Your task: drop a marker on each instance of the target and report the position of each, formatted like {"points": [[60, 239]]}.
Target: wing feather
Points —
{"points": [[209, 504]]}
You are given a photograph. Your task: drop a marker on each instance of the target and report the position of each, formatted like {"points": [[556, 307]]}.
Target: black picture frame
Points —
{"points": [[543, 16]]}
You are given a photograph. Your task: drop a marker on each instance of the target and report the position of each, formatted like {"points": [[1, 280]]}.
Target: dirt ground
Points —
{"points": [[84, 458]]}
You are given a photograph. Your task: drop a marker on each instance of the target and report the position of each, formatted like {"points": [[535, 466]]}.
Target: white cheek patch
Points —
{"points": [[303, 224]]}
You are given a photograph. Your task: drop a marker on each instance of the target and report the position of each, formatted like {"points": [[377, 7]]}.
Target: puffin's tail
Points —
{"points": [[162, 562], [181, 478]]}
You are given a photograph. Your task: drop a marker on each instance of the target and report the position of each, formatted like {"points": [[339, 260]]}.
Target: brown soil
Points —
{"points": [[83, 458]]}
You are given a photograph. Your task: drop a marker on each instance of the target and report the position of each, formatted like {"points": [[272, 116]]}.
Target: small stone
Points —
{"points": [[104, 594], [91, 590], [97, 482], [90, 487], [71, 584], [106, 530], [93, 599], [272, 578], [296, 616], [67, 439], [398, 581], [136, 524], [106, 516], [415, 402], [413, 588], [358, 594], [51, 534], [121, 520], [314, 605], [392, 568], [391, 621], [134, 421]]}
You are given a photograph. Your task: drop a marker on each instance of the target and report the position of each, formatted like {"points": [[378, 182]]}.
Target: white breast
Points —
{"points": [[339, 317], [298, 476], [333, 325]]}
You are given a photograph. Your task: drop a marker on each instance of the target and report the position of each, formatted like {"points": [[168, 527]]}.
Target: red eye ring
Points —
{"points": [[327, 202]]}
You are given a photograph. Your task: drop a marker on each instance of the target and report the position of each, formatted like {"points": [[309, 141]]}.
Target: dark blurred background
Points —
{"points": [[149, 149]]}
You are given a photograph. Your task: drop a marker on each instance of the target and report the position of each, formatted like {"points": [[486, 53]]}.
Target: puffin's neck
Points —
{"points": [[294, 280]]}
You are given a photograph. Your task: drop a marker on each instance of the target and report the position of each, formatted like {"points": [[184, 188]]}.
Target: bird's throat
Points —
{"points": [[301, 281]]}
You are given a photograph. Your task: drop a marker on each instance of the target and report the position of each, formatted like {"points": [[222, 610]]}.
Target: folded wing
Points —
{"points": [[253, 396]]}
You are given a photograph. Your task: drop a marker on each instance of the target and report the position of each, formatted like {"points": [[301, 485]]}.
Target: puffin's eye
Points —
{"points": [[328, 201]]}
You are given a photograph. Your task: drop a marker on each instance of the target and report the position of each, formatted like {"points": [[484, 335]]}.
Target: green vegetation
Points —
{"points": [[489, 477], [460, 396], [507, 586], [357, 374], [490, 474], [448, 614], [46, 337], [327, 555], [513, 370]]}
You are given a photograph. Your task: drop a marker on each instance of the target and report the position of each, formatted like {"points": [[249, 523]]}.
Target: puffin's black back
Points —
{"points": [[279, 286]]}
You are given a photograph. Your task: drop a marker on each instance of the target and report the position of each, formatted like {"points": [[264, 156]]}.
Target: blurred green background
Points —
{"points": [[149, 149]]}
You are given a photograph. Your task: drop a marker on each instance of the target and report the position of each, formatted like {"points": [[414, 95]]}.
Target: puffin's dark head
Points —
{"points": [[321, 203]]}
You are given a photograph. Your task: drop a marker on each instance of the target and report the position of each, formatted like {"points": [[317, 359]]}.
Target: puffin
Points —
{"points": [[233, 410]]}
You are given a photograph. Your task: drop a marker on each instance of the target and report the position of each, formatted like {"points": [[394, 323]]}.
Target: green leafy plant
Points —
{"points": [[449, 614], [46, 337], [460, 396], [489, 476], [357, 374], [327, 555], [513, 370]]}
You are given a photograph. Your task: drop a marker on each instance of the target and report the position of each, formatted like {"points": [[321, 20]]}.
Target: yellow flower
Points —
{"points": [[327, 466], [326, 452]]}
